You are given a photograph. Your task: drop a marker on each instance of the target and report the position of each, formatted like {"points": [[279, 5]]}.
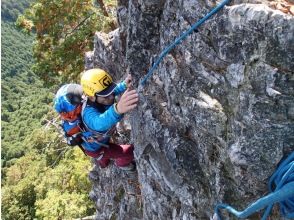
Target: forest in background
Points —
{"points": [[42, 177]]}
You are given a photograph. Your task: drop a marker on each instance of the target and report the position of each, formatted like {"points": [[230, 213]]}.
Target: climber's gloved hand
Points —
{"points": [[127, 102]]}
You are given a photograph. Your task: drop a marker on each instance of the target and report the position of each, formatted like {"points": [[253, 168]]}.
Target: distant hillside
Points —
{"points": [[24, 100], [11, 9], [42, 178], [16, 47]]}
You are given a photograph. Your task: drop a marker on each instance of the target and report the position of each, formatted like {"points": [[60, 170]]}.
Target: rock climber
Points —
{"points": [[101, 113]]}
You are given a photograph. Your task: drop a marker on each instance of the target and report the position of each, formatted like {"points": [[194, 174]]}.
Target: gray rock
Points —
{"points": [[215, 118]]}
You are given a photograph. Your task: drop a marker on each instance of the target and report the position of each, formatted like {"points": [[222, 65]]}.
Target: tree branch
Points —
{"points": [[76, 27], [105, 13]]}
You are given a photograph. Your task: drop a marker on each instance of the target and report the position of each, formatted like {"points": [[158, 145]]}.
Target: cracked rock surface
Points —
{"points": [[215, 118]]}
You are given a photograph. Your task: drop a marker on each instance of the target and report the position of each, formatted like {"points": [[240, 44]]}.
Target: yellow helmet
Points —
{"points": [[97, 82]]}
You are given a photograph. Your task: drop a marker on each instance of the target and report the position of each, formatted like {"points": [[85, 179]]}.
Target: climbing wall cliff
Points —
{"points": [[215, 118]]}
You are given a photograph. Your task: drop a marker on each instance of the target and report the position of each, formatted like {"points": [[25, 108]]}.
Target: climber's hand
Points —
{"points": [[128, 101], [128, 80]]}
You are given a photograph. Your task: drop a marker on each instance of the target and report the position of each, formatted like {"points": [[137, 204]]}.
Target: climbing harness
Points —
{"points": [[181, 38], [283, 192]]}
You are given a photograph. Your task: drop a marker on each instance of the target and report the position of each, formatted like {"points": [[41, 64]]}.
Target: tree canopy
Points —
{"points": [[43, 178], [64, 32], [11, 9], [24, 101]]}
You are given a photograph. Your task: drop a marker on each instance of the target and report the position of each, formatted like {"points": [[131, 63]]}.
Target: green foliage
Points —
{"points": [[12, 40], [18, 100], [64, 32], [65, 194], [18, 195], [42, 178], [11, 9], [32, 189], [22, 92], [61, 205]]}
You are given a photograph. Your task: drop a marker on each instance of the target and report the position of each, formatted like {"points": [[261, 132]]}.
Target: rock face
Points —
{"points": [[215, 118]]}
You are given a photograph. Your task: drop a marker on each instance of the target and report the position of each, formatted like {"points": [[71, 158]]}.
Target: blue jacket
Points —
{"points": [[101, 119]]}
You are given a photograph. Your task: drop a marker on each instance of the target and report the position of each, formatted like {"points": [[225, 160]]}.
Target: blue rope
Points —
{"points": [[182, 37], [281, 186]]}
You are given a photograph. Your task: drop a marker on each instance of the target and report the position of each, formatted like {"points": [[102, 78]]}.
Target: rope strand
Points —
{"points": [[181, 38], [283, 193]]}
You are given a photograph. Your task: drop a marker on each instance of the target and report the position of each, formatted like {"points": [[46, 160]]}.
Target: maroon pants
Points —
{"points": [[121, 154]]}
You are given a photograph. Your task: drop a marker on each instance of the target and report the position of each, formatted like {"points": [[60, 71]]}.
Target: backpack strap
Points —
{"points": [[81, 147], [96, 135]]}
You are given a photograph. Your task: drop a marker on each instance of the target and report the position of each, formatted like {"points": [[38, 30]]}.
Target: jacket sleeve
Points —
{"points": [[120, 88], [100, 122]]}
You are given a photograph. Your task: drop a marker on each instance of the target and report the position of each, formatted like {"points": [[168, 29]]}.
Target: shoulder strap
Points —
{"points": [[107, 133], [96, 135]]}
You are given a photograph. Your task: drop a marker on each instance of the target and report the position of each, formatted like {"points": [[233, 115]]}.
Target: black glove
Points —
{"points": [[74, 140]]}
